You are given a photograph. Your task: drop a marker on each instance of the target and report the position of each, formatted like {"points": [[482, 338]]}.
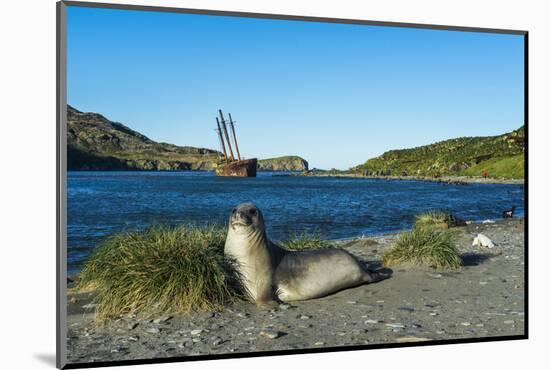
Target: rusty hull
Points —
{"points": [[242, 168]]}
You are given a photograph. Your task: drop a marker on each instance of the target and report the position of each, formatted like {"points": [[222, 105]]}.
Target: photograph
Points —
{"points": [[240, 184]]}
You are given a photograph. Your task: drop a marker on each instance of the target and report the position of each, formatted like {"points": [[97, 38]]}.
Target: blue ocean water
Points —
{"points": [[102, 203]]}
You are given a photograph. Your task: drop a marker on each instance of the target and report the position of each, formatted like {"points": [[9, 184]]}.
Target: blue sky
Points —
{"points": [[334, 94]]}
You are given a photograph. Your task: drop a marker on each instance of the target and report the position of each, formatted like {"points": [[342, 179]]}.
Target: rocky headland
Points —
{"points": [[285, 163]]}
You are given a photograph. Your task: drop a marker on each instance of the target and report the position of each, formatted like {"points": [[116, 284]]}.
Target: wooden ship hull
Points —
{"points": [[242, 168], [234, 166]]}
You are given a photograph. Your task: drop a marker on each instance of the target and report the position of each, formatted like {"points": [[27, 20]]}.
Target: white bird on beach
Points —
{"points": [[482, 240]]}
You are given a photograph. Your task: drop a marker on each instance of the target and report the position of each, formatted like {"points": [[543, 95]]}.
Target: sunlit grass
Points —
{"points": [[509, 167], [305, 241], [432, 218], [160, 270], [425, 246]]}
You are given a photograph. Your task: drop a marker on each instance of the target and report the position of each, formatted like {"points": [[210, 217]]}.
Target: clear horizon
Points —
{"points": [[333, 94]]}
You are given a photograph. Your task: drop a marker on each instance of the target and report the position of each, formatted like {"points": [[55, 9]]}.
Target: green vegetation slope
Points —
{"points": [[501, 156]]}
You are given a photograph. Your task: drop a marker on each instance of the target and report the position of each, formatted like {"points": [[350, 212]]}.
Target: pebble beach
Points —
{"points": [[484, 298]]}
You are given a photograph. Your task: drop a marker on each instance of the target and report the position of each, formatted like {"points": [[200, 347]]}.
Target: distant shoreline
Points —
{"points": [[452, 180], [190, 170]]}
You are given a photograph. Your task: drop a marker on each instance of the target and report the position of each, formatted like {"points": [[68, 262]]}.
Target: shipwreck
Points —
{"points": [[232, 166]]}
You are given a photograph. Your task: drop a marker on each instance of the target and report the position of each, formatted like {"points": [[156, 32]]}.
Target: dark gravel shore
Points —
{"points": [[485, 298], [457, 180]]}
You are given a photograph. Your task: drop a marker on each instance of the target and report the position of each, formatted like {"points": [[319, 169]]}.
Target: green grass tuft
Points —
{"points": [[305, 241], [426, 246], [160, 270], [433, 218], [438, 219]]}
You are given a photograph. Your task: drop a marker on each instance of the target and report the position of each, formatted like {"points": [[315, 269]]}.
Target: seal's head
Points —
{"points": [[246, 218]]}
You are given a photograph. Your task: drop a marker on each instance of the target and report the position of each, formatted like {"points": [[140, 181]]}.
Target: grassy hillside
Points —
{"points": [[508, 167], [502, 156]]}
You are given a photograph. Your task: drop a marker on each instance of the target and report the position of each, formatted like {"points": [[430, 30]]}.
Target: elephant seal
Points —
{"points": [[270, 272]]}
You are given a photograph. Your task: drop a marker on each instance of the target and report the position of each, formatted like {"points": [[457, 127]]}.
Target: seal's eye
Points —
{"points": [[233, 211], [252, 212]]}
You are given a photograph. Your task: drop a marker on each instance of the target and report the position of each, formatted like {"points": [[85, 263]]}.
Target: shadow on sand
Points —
{"points": [[474, 259]]}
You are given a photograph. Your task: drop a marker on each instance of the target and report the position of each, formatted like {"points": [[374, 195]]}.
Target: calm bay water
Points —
{"points": [[102, 203]]}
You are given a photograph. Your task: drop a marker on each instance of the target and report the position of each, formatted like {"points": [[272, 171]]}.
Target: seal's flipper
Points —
{"points": [[378, 275], [267, 305]]}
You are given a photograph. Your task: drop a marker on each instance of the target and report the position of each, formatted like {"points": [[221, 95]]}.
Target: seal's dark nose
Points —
{"points": [[244, 214]]}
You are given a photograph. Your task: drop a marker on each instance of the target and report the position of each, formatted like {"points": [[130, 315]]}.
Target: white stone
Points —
{"points": [[396, 326], [483, 241], [271, 334], [371, 321]]}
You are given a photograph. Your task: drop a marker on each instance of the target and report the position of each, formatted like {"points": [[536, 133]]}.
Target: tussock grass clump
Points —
{"points": [[305, 241], [438, 218], [432, 218], [160, 270], [424, 246]]}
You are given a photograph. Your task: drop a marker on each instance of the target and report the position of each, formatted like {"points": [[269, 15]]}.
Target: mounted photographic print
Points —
{"points": [[235, 184]]}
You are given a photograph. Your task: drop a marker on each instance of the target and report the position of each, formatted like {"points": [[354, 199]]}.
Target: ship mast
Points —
{"points": [[227, 136], [234, 136], [219, 131]]}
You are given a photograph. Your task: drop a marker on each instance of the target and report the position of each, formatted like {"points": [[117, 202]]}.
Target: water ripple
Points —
{"points": [[101, 203]]}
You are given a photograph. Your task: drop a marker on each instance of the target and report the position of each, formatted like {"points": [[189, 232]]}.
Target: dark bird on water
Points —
{"points": [[509, 212]]}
